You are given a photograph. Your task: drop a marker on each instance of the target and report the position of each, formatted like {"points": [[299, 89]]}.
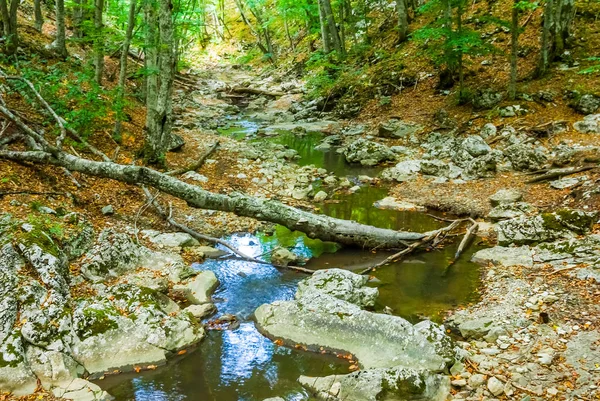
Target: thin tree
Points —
{"points": [[402, 12], [160, 72], [59, 45], [123, 66], [325, 38], [332, 27], [9, 25], [39, 17], [514, 42], [556, 32], [98, 41]]}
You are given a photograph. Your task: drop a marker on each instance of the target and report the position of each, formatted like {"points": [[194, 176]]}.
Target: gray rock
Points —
{"points": [[589, 125], [397, 129], [175, 143], [506, 197], [210, 252], [489, 130], [52, 367], [476, 380], [320, 196], [435, 168], [80, 390], [525, 157], [486, 99], [368, 153], [341, 284], [566, 183], [379, 385], [377, 340], [476, 146], [180, 240], [108, 210], [201, 311], [545, 227], [283, 256], [46, 210], [495, 386], [403, 171], [391, 203], [587, 104], [476, 328], [482, 167], [198, 289], [503, 256], [192, 175], [274, 399], [510, 211]]}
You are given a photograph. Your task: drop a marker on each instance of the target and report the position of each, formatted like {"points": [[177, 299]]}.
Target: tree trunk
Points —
{"points": [[402, 11], [123, 66], [332, 27], [514, 36], [77, 18], [315, 226], [39, 17], [59, 44], [160, 67], [98, 41], [565, 11], [8, 9], [324, 30], [461, 74]]}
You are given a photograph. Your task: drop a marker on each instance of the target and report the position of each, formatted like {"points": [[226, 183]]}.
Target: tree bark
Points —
{"points": [[123, 66], [160, 68], [59, 43], [78, 17], [39, 17], [8, 9], [324, 30], [332, 27], [315, 226], [402, 12], [98, 41], [514, 36]]}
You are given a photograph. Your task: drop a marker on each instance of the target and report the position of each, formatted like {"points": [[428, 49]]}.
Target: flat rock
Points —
{"points": [[201, 311], [504, 256], [180, 240], [80, 390], [506, 196], [391, 203], [210, 252], [198, 289], [566, 183], [379, 385]]}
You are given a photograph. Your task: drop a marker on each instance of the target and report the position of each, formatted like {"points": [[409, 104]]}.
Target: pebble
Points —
{"points": [[477, 380], [495, 386], [459, 383]]}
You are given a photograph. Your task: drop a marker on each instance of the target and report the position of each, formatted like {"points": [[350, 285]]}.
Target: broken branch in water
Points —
{"points": [[432, 236], [197, 164], [168, 217], [465, 241]]}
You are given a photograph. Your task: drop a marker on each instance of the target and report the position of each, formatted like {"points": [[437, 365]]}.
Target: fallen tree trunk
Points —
{"points": [[315, 226]]}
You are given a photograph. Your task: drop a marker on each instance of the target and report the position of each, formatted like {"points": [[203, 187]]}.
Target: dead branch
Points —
{"points": [[197, 164], [428, 238], [26, 192], [168, 217], [558, 173], [465, 241]]}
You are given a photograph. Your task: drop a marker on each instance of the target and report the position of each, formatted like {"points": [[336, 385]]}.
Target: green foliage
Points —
{"points": [[594, 69]]}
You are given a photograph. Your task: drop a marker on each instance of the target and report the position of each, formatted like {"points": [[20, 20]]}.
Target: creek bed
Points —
{"points": [[241, 364]]}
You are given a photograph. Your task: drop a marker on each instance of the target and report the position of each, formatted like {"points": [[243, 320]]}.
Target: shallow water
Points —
{"points": [[242, 364]]}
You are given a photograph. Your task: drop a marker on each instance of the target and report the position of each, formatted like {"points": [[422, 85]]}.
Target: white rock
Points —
{"points": [[198, 289], [495, 386], [201, 311]]}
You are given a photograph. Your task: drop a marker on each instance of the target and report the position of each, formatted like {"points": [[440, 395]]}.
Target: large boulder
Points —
{"points": [[341, 284], [368, 153], [129, 326], [397, 129], [476, 146], [544, 227], [482, 167], [524, 157], [321, 317], [379, 385]]}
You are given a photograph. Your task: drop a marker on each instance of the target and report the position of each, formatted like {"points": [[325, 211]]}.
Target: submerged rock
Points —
{"points": [[368, 153], [283, 256], [379, 385]]}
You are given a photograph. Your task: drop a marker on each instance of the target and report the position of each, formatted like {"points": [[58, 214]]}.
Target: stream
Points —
{"points": [[241, 364]]}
